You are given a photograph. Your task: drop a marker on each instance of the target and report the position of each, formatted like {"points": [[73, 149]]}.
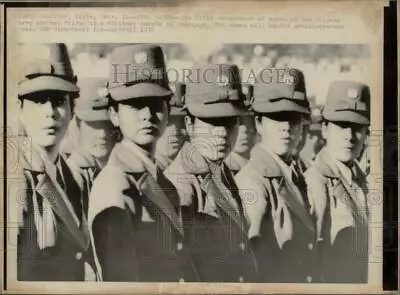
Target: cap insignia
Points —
{"points": [[140, 57], [222, 80], [102, 92], [352, 93]]}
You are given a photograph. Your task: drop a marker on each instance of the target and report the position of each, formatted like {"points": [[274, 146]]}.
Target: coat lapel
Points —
{"points": [[269, 168], [157, 195], [213, 187], [56, 196], [147, 184], [286, 191], [342, 190]]}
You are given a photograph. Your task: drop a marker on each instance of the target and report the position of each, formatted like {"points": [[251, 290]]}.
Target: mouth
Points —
{"points": [[243, 141], [51, 130], [149, 130], [285, 139], [101, 142], [348, 147]]}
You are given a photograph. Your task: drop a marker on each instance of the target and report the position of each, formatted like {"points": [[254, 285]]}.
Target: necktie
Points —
{"points": [[299, 181]]}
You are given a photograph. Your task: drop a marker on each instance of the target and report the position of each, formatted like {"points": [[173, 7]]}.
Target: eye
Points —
{"points": [[60, 100]]}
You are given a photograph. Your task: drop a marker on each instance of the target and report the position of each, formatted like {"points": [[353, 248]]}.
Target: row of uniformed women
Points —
{"points": [[181, 214]]}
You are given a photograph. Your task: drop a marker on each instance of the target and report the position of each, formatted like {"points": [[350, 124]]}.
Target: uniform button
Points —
{"points": [[179, 246], [310, 246], [242, 246], [181, 280], [78, 255], [241, 279], [309, 279]]}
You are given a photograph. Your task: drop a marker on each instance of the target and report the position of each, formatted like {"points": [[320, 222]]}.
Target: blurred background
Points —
{"points": [[321, 63]]}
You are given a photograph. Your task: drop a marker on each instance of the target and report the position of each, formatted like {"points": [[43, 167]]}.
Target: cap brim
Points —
{"points": [[177, 111], [224, 109], [90, 115], [43, 83], [283, 105], [139, 90], [345, 116]]}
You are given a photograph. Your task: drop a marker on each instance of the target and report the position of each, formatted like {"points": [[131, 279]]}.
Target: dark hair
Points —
{"points": [[113, 103], [258, 116], [191, 116]]}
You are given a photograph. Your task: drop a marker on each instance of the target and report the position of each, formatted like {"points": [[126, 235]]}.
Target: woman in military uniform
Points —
{"points": [[53, 238], [95, 133], [272, 186], [134, 212], [337, 187], [212, 212], [174, 135]]}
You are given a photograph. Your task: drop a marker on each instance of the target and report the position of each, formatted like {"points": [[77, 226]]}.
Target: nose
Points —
{"points": [[48, 109], [146, 113], [348, 133], [101, 133], [285, 126]]}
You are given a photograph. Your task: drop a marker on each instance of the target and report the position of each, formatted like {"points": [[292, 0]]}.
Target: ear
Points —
{"points": [[189, 125], [324, 130], [258, 122], [113, 116]]}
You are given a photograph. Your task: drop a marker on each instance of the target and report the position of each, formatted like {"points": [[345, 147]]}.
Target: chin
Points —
{"points": [[146, 140], [241, 149], [46, 141], [282, 150], [345, 157], [100, 154], [172, 152]]}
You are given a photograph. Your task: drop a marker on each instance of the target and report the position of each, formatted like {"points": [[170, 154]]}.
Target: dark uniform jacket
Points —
{"points": [[135, 221], [85, 169], [214, 223], [281, 229], [53, 237], [342, 220]]}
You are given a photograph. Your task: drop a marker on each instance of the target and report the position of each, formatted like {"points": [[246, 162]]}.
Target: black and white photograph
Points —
{"points": [[243, 168], [170, 162]]}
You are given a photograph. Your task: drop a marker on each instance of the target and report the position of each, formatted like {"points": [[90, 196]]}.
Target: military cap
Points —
{"points": [[288, 94], [215, 91], [138, 71], [92, 104], [347, 101], [177, 101], [248, 96], [45, 66], [315, 119]]}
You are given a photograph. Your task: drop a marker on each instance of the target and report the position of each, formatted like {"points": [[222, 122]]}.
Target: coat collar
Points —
{"points": [[192, 161], [83, 159], [31, 159], [235, 162], [162, 161], [265, 162], [327, 166], [131, 161]]}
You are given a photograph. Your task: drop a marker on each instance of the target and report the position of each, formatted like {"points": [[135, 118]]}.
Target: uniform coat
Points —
{"points": [[342, 220], [281, 229], [53, 239], [135, 221], [213, 220], [85, 168]]}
